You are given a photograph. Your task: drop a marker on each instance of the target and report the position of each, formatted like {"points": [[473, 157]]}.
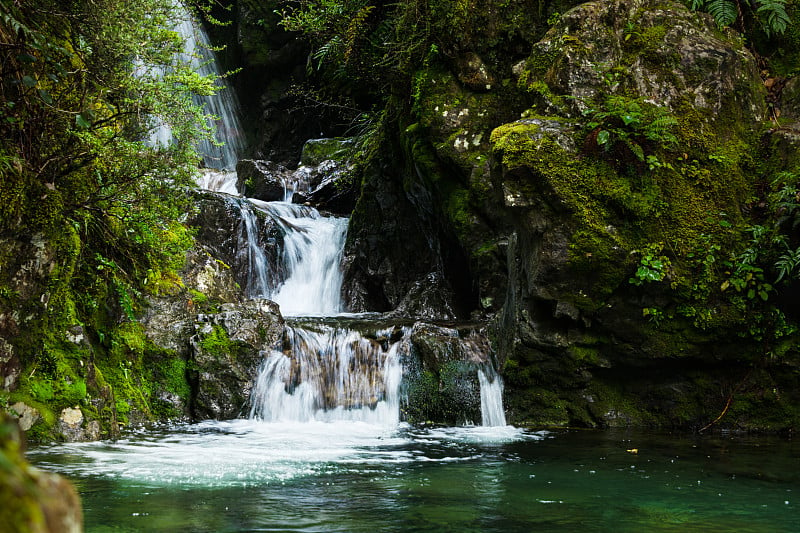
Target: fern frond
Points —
{"points": [[725, 12], [774, 18]]}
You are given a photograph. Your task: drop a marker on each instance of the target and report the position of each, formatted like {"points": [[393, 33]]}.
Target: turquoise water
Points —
{"points": [[251, 476]]}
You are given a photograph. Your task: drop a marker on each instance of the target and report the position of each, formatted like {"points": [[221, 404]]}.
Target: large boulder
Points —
{"points": [[264, 180], [227, 349]]}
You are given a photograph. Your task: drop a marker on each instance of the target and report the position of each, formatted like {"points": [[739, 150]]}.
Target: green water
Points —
{"points": [[239, 476]]}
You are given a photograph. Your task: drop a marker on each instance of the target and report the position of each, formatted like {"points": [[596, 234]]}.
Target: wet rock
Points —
{"points": [[441, 374], [335, 193], [226, 350], [264, 180], [398, 242], [223, 235]]}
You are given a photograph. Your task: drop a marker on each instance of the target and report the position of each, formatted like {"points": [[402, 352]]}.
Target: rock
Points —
{"points": [[398, 241], [70, 424], [33, 500], [334, 193], [26, 415], [226, 351], [442, 375], [263, 180], [223, 234], [674, 50], [315, 151]]}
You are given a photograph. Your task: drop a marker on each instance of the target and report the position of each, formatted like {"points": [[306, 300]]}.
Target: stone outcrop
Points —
{"points": [[263, 180], [607, 145], [226, 350]]}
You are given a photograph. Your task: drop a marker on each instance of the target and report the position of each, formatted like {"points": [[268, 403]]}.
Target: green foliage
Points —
{"points": [[620, 122], [85, 83], [652, 266], [769, 15], [82, 93]]}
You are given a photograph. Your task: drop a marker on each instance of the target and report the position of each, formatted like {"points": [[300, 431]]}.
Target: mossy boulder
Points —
{"points": [[226, 351], [33, 501]]}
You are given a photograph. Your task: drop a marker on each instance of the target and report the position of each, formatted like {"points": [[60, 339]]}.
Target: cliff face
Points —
{"points": [[589, 197]]}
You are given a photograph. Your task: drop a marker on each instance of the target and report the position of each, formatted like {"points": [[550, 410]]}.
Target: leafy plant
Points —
{"points": [[653, 267], [620, 121], [770, 15]]}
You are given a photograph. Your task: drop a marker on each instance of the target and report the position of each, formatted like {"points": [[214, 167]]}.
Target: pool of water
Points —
{"points": [[355, 477]]}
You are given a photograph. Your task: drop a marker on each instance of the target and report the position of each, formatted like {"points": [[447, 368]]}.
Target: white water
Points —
{"points": [[332, 374], [258, 266], [492, 413], [218, 181], [223, 151], [255, 453], [312, 254]]}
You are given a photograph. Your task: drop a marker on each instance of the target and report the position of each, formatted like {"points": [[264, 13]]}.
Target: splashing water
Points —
{"points": [[312, 253], [492, 413], [332, 374]]}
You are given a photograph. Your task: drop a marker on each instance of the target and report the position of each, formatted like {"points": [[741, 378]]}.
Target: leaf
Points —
{"points": [[603, 137], [26, 58], [82, 121], [29, 81], [45, 96], [725, 12]]}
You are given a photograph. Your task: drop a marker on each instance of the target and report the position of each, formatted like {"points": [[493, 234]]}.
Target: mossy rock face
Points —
{"points": [[660, 51], [585, 219], [225, 354]]}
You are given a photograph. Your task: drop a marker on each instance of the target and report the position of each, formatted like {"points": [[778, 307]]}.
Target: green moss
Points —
{"points": [[316, 151], [449, 396], [216, 343]]}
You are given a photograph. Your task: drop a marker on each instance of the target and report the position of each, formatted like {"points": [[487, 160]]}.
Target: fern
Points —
{"points": [[773, 16], [725, 12], [770, 14]]}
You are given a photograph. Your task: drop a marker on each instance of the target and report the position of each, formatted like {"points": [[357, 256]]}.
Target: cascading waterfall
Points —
{"points": [[331, 374], [223, 151], [321, 373], [492, 413], [312, 254]]}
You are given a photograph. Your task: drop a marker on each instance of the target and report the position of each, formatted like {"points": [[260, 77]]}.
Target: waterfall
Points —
{"points": [[492, 413], [330, 374], [222, 152], [257, 265], [312, 252], [320, 373]]}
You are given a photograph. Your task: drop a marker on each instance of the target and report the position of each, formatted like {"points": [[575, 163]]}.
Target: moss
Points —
{"points": [[448, 396], [217, 344], [316, 151]]}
